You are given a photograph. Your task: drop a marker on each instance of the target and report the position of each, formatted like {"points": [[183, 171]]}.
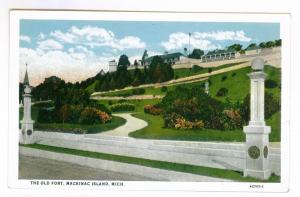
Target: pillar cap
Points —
{"points": [[258, 63]]}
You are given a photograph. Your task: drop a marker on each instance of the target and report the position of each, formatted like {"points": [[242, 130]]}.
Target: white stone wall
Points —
{"points": [[210, 154]]}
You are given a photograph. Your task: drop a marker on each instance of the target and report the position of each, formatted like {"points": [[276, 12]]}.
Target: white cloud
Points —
{"points": [[65, 37], [49, 44], [223, 35], [179, 40], [72, 65], [132, 42], [203, 40], [25, 38], [97, 37]]}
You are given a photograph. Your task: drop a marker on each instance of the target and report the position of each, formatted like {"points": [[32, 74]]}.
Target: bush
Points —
{"points": [[110, 102], [49, 104], [224, 77], [231, 119], [196, 68], [92, 115], [174, 120], [153, 110], [233, 74], [269, 83], [138, 91], [210, 70], [122, 107], [272, 105], [99, 106], [222, 92], [45, 115], [164, 89]]}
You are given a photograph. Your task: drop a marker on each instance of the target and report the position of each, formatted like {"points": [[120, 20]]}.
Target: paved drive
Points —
{"points": [[41, 168], [132, 124]]}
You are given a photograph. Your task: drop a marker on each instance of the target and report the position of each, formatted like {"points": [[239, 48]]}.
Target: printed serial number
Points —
{"points": [[257, 186]]}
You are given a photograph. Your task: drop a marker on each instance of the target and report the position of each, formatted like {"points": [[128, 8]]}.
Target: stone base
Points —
{"points": [[27, 133], [262, 175], [256, 129]]}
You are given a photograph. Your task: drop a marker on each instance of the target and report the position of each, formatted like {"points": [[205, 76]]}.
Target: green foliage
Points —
{"points": [[272, 105], [123, 61], [222, 92], [233, 74], [122, 107], [224, 77], [153, 110], [92, 115], [196, 54], [269, 83], [236, 47], [159, 71], [164, 89], [45, 115], [49, 104]]}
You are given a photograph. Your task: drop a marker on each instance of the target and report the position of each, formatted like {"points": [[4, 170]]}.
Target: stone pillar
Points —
{"points": [[257, 133], [207, 87], [27, 136]]}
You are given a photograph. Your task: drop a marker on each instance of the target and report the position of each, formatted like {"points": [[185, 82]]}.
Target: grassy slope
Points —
{"points": [[186, 72], [238, 87], [200, 170]]}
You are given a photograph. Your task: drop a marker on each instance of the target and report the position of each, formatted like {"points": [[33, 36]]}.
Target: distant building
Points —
{"points": [[170, 58], [255, 50], [112, 66], [219, 55]]}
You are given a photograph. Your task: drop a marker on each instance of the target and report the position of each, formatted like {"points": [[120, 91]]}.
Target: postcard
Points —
{"points": [[149, 101]]}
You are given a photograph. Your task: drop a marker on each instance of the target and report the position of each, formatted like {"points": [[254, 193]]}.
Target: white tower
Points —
{"points": [[257, 133], [27, 136]]}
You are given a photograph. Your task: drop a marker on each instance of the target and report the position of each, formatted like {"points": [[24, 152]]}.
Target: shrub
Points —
{"points": [[210, 70], [233, 74], [100, 107], [231, 119], [164, 89], [196, 68], [49, 104], [272, 105], [122, 107], [74, 113], [153, 110], [222, 92], [174, 120], [138, 91], [92, 115], [269, 83], [110, 102], [45, 115], [224, 77]]}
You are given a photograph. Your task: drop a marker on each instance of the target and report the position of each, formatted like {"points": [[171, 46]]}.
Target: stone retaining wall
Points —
{"points": [[210, 154]]}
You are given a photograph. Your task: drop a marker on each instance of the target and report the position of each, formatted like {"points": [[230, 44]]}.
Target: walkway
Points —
{"points": [[132, 124]]}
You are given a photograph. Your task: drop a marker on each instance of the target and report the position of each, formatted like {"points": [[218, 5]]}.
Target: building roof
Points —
{"points": [[26, 78]]}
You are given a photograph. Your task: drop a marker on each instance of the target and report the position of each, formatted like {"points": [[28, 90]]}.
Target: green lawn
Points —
{"points": [[155, 130], [193, 169], [239, 85], [90, 128], [186, 72]]}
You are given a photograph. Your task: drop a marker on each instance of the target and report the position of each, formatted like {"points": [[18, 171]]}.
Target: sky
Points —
{"points": [[75, 50]]}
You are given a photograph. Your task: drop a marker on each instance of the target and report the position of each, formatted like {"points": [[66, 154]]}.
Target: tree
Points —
{"points": [[278, 42], [196, 54], [251, 45], [236, 47], [64, 113], [135, 63], [123, 61]]}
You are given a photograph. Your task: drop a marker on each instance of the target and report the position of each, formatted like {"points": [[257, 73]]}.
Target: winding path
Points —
{"points": [[132, 124]]}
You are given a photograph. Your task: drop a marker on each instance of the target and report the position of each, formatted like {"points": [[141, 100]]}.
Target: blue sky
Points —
{"points": [[59, 47]]}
